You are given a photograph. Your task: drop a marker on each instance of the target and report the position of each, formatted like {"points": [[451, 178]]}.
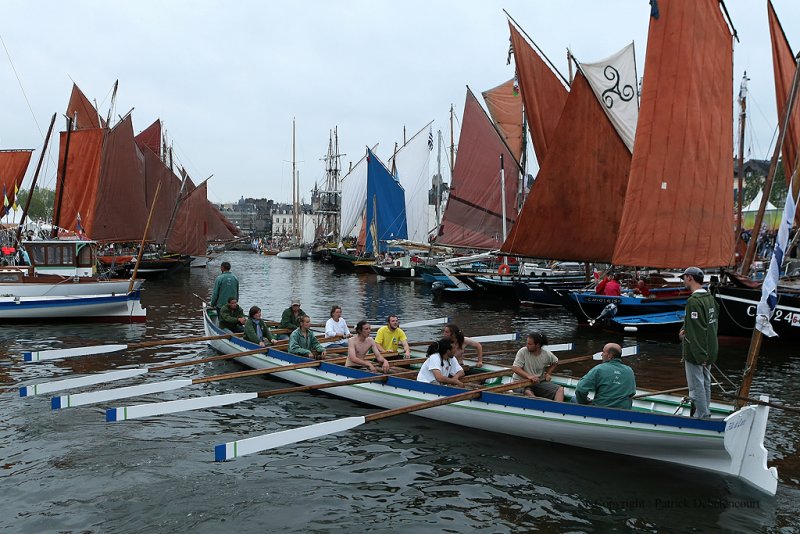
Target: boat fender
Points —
{"points": [[504, 269], [631, 329], [397, 263]]}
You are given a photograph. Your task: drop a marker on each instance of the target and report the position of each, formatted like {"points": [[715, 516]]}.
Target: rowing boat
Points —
{"points": [[658, 428]]}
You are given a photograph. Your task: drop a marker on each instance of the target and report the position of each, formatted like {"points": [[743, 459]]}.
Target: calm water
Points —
{"points": [[71, 471]]}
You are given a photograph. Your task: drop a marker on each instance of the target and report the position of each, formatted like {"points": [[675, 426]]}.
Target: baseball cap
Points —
{"points": [[694, 271], [295, 301]]}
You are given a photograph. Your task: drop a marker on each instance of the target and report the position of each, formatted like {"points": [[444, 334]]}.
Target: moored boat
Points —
{"points": [[121, 308], [658, 427]]}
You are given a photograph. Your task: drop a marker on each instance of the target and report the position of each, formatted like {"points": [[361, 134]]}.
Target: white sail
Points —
{"points": [[614, 82], [354, 197], [413, 171]]}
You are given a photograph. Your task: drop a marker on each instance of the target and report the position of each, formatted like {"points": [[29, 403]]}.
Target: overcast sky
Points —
{"points": [[226, 78]]}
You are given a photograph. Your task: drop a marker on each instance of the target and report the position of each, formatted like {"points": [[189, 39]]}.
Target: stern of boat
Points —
{"points": [[744, 441]]}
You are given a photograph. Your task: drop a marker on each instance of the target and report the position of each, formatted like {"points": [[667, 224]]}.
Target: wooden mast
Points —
{"points": [[740, 183], [57, 208], [452, 144], [35, 178]]}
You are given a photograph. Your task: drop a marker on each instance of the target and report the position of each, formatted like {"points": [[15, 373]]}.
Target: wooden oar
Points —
{"points": [[234, 449], [94, 397], [100, 378], [54, 354]]}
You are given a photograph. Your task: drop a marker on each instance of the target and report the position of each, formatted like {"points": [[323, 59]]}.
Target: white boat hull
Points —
{"points": [[125, 307], [733, 446], [297, 253], [68, 288]]}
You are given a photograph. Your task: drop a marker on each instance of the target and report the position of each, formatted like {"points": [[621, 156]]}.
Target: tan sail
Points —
{"points": [[543, 93], [13, 164], [505, 106], [783, 64], [574, 207], [678, 204]]}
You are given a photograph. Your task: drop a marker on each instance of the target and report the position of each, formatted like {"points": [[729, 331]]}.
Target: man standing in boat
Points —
{"points": [[612, 381], [390, 336], [225, 286], [699, 341], [536, 363]]}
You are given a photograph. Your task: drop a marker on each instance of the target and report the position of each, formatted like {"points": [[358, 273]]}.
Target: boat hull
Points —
{"points": [[738, 312], [297, 253], [586, 306], [122, 308], [730, 446], [43, 286]]}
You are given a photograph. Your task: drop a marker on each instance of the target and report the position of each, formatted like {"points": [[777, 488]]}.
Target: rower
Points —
{"points": [[232, 316], [303, 342], [290, 319], [459, 342], [612, 381], [441, 367], [534, 362], [390, 336], [359, 345]]}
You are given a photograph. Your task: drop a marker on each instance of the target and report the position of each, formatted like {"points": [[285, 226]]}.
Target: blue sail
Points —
{"points": [[386, 206]]}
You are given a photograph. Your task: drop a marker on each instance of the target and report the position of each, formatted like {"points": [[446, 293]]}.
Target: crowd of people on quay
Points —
{"points": [[611, 383]]}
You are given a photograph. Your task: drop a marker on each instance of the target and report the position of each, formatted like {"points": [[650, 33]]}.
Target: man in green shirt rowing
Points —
{"points": [[612, 381]]}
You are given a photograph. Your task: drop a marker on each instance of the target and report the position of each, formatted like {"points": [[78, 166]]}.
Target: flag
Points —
{"points": [[430, 139], [15, 207], [510, 51], [79, 226], [654, 9], [769, 289], [5, 202]]}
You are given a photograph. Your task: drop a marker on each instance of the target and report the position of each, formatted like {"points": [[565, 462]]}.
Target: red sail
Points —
{"points": [[784, 66], [473, 215], [188, 235], [156, 172], [574, 208], [77, 190], [83, 111], [678, 205], [505, 107], [543, 93], [13, 164], [219, 227], [151, 137]]}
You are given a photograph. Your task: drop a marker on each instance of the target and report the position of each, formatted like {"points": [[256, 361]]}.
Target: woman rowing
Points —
{"points": [[256, 330], [359, 345], [337, 326], [459, 343], [441, 367]]}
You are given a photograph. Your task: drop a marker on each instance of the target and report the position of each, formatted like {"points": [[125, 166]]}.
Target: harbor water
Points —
{"points": [[70, 471]]}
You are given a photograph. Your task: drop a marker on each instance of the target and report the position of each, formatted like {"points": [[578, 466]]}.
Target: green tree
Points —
{"points": [[778, 194], [41, 204]]}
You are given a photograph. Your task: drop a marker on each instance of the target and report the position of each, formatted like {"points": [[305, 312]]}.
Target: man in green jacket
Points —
{"points": [[290, 319], [699, 341], [225, 286], [231, 316], [303, 342], [613, 382]]}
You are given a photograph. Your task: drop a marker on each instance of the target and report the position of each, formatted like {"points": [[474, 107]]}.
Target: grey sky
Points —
{"points": [[227, 77]]}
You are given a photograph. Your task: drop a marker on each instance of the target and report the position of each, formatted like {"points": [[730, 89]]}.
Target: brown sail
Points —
{"points": [[77, 190], [150, 137], [574, 207], [188, 235], [783, 64], [543, 93], [82, 111], [473, 215], [219, 227], [678, 204], [505, 107], [13, 164]]}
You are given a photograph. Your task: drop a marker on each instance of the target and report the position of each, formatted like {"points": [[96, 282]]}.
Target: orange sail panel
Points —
{"points": [[155, 171], [505, 107], [77, 189], [473, 215], [13, 164], [83, 111], [218, 230], [784, 66], [151, 137], [581, 183], [678, 205], [188, 235], [543, 93]]}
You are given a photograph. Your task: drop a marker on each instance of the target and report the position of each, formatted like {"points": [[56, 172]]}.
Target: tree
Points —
{"points": [[756, 183], [41, 204]]}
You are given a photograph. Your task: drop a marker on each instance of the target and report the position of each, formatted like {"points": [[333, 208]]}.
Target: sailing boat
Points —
{"points": [[295, 250]]}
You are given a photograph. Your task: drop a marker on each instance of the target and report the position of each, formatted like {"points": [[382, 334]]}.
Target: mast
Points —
{"points": [[35, 178], [569, 65], [751, 245], [503, 200], [113, 103], [740, 183], [295, 208], [57, 209], [452, 143], [438, 188]]}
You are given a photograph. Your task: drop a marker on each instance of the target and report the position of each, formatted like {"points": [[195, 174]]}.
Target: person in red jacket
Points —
{"points": [[609, 286]]}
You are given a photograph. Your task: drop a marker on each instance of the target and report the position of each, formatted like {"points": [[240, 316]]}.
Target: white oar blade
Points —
{"points": [[427, 322], [93, 397], [182, 405], [626, 351], [242, 447], [70, 383], [57, 354], [498, 337], [560, 347]]}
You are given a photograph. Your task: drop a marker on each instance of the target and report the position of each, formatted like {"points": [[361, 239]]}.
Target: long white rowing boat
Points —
{"points": [[658, 428]]}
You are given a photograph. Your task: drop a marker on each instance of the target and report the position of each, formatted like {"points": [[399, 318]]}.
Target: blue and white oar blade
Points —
{"points": [[57, 354], [105, 395], [427, 322], [497, 337], [70, 383], [242, 447], [182, 405]]}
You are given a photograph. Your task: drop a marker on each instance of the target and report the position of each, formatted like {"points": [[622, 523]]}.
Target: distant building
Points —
{"points": [[753, 168]]}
